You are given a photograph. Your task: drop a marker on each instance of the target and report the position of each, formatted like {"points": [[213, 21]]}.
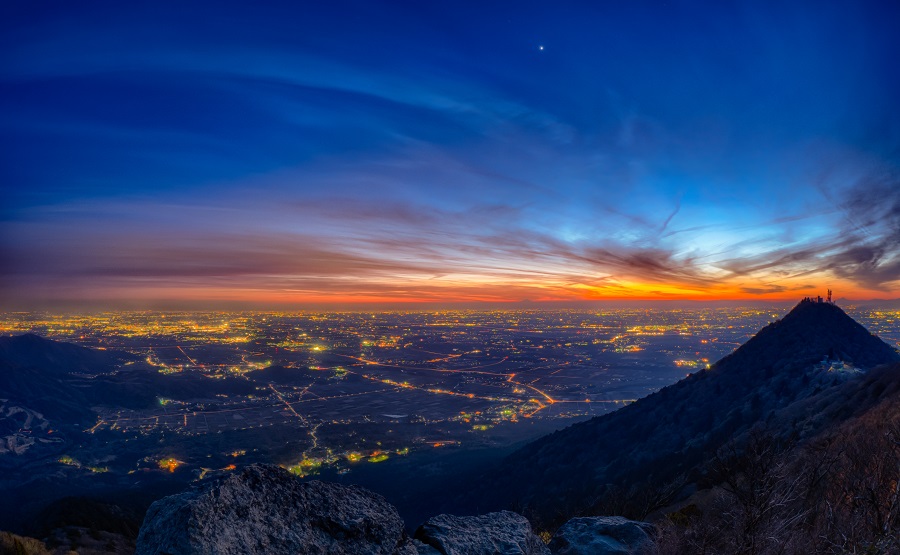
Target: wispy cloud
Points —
{"points": [[368, 245], [400, 160]]}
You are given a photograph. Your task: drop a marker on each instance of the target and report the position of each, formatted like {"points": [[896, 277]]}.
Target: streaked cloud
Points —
{"points": [[413, 155]]}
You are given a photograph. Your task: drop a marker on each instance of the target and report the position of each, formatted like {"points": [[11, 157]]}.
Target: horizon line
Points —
{"points": [[410, 306]]}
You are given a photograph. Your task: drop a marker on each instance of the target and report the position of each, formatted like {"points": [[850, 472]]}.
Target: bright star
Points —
{"points": [[540, 47]]}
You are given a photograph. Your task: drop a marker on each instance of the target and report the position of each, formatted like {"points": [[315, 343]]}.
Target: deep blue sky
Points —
{"points": [[310, 152]]}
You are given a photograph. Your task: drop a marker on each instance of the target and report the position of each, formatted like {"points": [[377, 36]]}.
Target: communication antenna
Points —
{"points": [[829, 296]]}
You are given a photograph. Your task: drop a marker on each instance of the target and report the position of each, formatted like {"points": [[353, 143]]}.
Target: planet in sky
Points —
{"points": [[362, 153]]}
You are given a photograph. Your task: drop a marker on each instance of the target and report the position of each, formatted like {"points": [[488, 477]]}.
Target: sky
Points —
{"points": [[349, 153]]}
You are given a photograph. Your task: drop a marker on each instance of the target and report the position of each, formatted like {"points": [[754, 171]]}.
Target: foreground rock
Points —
{"points": [[263, 509], [602, 535], [11, 543], [503, 533]]}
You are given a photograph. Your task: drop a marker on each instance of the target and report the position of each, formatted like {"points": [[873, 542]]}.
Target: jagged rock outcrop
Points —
{"points": [[501, 533], [602, 535], [263, 509], [12, 543]]}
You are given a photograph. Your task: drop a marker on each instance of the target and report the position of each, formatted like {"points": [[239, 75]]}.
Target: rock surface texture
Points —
{"points": [[264, 509], [502, 533], [602, 535]]}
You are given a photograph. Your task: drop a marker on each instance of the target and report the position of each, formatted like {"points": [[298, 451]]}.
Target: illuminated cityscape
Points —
{"points": [[333, 391]]}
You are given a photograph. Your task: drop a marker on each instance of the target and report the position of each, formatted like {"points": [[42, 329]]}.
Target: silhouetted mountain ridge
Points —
{"points": [[30, 350], [675, 430], [50, 376], [40, 374], [807, 334]]}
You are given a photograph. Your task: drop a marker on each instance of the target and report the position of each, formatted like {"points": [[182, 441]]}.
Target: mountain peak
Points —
{"points": [[812, 331], [673, 431], [809, 308]]}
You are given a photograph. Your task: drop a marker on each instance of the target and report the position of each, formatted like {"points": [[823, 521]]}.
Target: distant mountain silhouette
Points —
{"points": [[672, 432], [53, 396], [31, 350], [41, 374], [49, 376]]}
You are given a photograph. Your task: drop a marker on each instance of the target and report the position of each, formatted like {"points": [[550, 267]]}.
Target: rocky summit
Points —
{"points": [[607, 535], [500, 533], [263, 510]]}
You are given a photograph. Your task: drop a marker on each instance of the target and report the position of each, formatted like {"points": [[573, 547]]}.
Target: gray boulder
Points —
{"points": [[264, 509], [424, 549], [415, 547], [603, 535], [503, 533]]}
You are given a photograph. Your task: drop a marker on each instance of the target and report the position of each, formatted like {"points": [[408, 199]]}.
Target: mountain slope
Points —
{"points": [[672, 432], [819, 477], [837, 405], [63, 380], [30, 350], [39, 373]]}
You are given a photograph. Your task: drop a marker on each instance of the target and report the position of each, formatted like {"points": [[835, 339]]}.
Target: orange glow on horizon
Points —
{"points": [[411, 292], [191, 295]]}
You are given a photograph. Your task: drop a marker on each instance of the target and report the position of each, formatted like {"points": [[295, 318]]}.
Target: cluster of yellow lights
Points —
{"points": [[309, 465], [169, 464], [69, 461]]}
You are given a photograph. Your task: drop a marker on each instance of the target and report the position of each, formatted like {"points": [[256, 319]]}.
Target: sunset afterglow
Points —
{"points": [[368, 154]]}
